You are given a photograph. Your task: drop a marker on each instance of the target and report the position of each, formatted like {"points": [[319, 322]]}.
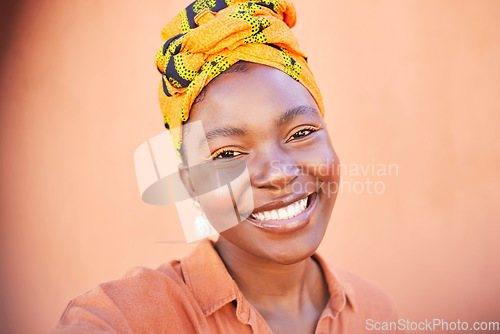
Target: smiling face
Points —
{"points": [[262, 119]]}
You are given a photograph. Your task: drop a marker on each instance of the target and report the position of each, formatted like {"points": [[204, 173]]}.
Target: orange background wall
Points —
{"points": [[409, 82]]}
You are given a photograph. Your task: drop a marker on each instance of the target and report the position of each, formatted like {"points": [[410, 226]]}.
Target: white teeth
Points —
{"points": [[287, 212], [267, 215], [297, 207]]}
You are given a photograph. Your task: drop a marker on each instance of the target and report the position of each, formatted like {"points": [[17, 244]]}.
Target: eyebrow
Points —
{"points": [[291, 113], [223, 132], [286, 117]]}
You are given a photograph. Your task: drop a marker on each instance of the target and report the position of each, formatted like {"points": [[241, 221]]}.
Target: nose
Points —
{"points": [[274, 169]]}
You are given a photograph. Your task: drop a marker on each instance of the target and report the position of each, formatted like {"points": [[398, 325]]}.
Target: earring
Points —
{"points": [[201, 223]]}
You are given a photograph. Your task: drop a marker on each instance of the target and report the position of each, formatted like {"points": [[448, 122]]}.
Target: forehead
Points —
{"points": [[249, 91], [248, 104]]}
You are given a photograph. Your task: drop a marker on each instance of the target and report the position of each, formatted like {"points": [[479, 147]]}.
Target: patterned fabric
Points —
{"points": [[209, 36]]}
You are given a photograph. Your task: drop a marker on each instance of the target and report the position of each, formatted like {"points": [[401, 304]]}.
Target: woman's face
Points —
{"points": [[262, 119]]}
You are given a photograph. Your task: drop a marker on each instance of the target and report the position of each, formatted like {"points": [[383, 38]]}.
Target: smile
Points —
{"points": [[285, 219], [286, 212]]}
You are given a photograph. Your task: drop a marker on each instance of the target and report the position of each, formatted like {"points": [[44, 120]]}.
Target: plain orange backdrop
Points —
{"points": [[409, 82]]}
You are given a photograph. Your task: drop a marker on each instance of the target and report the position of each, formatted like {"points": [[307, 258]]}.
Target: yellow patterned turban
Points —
{"points": [[209, 36]]}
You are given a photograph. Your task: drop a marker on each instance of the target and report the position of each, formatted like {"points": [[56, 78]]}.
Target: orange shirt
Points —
{"points": [[197, 295]]}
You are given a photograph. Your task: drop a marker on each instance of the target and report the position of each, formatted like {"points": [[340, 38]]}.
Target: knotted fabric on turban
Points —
{"points": [[209, 36]]}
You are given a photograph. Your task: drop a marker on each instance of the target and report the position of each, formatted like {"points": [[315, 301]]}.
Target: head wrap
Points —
{"points": [[209, 36]]}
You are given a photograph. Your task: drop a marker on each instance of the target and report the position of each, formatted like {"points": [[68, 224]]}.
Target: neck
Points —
{"points": [[272, 286]]}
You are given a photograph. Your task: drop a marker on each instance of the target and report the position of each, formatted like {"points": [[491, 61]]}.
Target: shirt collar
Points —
{"points": [[208, 279], [213, 287], [341, 291]]}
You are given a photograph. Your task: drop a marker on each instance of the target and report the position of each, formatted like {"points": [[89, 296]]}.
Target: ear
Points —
{"points": [[186, 180]]}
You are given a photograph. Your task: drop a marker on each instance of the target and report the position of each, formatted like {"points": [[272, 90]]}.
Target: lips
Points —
{"points": [[284, 216]]}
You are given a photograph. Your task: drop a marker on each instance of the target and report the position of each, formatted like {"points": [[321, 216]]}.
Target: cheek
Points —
{"points": [[218, 206], [228, 200], [321, 162], [203, 179], [331, 170]]}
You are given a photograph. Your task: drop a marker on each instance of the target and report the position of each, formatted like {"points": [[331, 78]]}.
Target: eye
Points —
{"points": [[225, 154], [301, 133]]}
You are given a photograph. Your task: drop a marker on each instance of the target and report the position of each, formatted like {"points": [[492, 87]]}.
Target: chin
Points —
{"points": [[283, 249], [289, 258], [298, 249]]}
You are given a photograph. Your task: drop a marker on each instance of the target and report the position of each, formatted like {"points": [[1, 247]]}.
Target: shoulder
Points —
{"points": [[148, 284], [367, 298], [142, 300]]}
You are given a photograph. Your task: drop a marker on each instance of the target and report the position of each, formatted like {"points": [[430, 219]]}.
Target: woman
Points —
{"points": [[235, 67]]}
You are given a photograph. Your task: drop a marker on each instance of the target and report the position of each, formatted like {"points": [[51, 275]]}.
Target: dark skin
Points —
{"points": [[279, 134]]}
